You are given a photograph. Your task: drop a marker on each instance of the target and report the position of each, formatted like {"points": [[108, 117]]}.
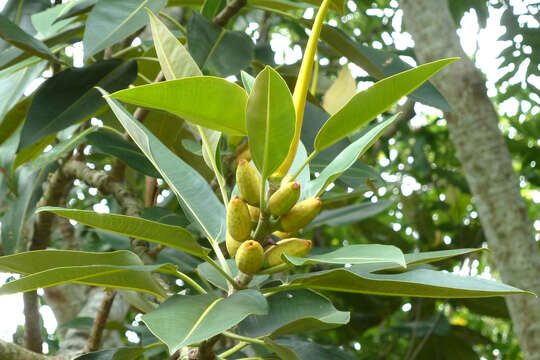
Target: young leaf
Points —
{"points": [[184, 320], [207, 101], [339, 93], [354, 254], [270, 121], [173, 236], [195, 195], [292, 312], [69, 97], [110, 21], [367, 104], [346, 158], [247, 81]]}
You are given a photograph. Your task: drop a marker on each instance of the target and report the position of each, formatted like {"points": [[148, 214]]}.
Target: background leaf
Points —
{"points": [[339, 93]]}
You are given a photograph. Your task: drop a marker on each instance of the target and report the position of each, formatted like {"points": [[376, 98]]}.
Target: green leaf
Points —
{"points": [[247, 81], [416, 282], [13, 119], [69, 97], [184, 320], [32, 152], [209, 44], [173, 236], [110, 143], [201, 100], [346, 158], [20, 13], [124, 353], [210, 273], [311, 351], [282, 351], [349, 214], [304, 176], [354, 254], [43, 268], [12, 87], [271, 119], [195, 195], [280, 5], [432, 256], [44, 21], [367, 104], [293, 312], [339, 93], [17, 37], [110, 21]]}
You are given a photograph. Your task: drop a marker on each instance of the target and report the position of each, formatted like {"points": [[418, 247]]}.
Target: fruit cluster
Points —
{"points": [[249, 225]]}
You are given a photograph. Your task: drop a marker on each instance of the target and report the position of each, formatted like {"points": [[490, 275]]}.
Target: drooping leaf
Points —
{"points": [[210, 273], [210, 44], [13, 119], [110, 21], [292, 312], [339, 93], [70, 97], [349, 214], [347, 157], [184, 320], [201, 100], [195, 195], [354, 254], [43, 268], [367, 104], [173, 236], [270, 118]]}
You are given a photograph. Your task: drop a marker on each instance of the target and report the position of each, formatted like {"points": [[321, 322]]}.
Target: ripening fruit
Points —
{"points": [[238, 220], [232, 244], [249, 257], [254, 212], [294, 247], [248, 182], [284, 199], [300, 215], [282, 234], [286, 179]]}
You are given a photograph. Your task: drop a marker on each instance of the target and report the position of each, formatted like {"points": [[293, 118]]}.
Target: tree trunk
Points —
{"points": [[486, 161]]}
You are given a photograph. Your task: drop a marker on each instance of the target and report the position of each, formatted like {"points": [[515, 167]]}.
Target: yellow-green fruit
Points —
{"points": [[249, 257], [254, 212], [238, 220], [282, 234], [287, 179], [232, 244], [300, 215], [284, 199], [248, 182], [294, 247]]}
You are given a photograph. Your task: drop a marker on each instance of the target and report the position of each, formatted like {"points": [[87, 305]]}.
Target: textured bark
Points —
{"points": [[486, 161], [11, 351]]}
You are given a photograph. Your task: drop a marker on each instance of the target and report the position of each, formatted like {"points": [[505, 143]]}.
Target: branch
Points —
{"points": [[94, 340], [229, 11], [11, 351]]}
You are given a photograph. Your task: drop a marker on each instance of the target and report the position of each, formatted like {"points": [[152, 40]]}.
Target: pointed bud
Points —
{"points": [[282, 234], [232, 244], [248, 182], [249, 257], [238, 221], [254, 212], [301, 215], [294, 247], [284, 199]]}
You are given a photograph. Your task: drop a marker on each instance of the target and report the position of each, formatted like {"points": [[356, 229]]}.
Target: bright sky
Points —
{"points": [[483, 42]]}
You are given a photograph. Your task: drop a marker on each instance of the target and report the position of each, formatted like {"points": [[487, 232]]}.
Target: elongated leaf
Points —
{"points": [[367, 104], [13, 85], [20, 13], [340, 92], [270, 120], [292, 312], [32, 152], [282, 351], [110, 21], [417, 282], [17, 37], [195, 195], [207, 101], [184, 320], [70, 97], [304, 176], [108, 142], [247, 81], [173, 236], [346, 158], [311, 351], [432, 256], [13, 119], [349, 214], [354, 254], [44, 21], [118, 269], [123, 353], [210, 273]]}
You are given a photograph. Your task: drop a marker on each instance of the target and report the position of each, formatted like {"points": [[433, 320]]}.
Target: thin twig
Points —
{"points": [[229, 11], [94, 340]]}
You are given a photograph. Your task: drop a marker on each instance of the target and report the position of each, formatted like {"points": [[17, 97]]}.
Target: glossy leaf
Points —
{"points": [[108, 142], [347, 157], [207, 101], [173, 236], [20, 13], [293, 312], [340, 92], [349, 214], [417, 282], [195, 195], [43, 268], [210, 273], [17, 37], [110, 21], [367, 104], [184, 320], [70, 97], [271, 119], [354, 254]]}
